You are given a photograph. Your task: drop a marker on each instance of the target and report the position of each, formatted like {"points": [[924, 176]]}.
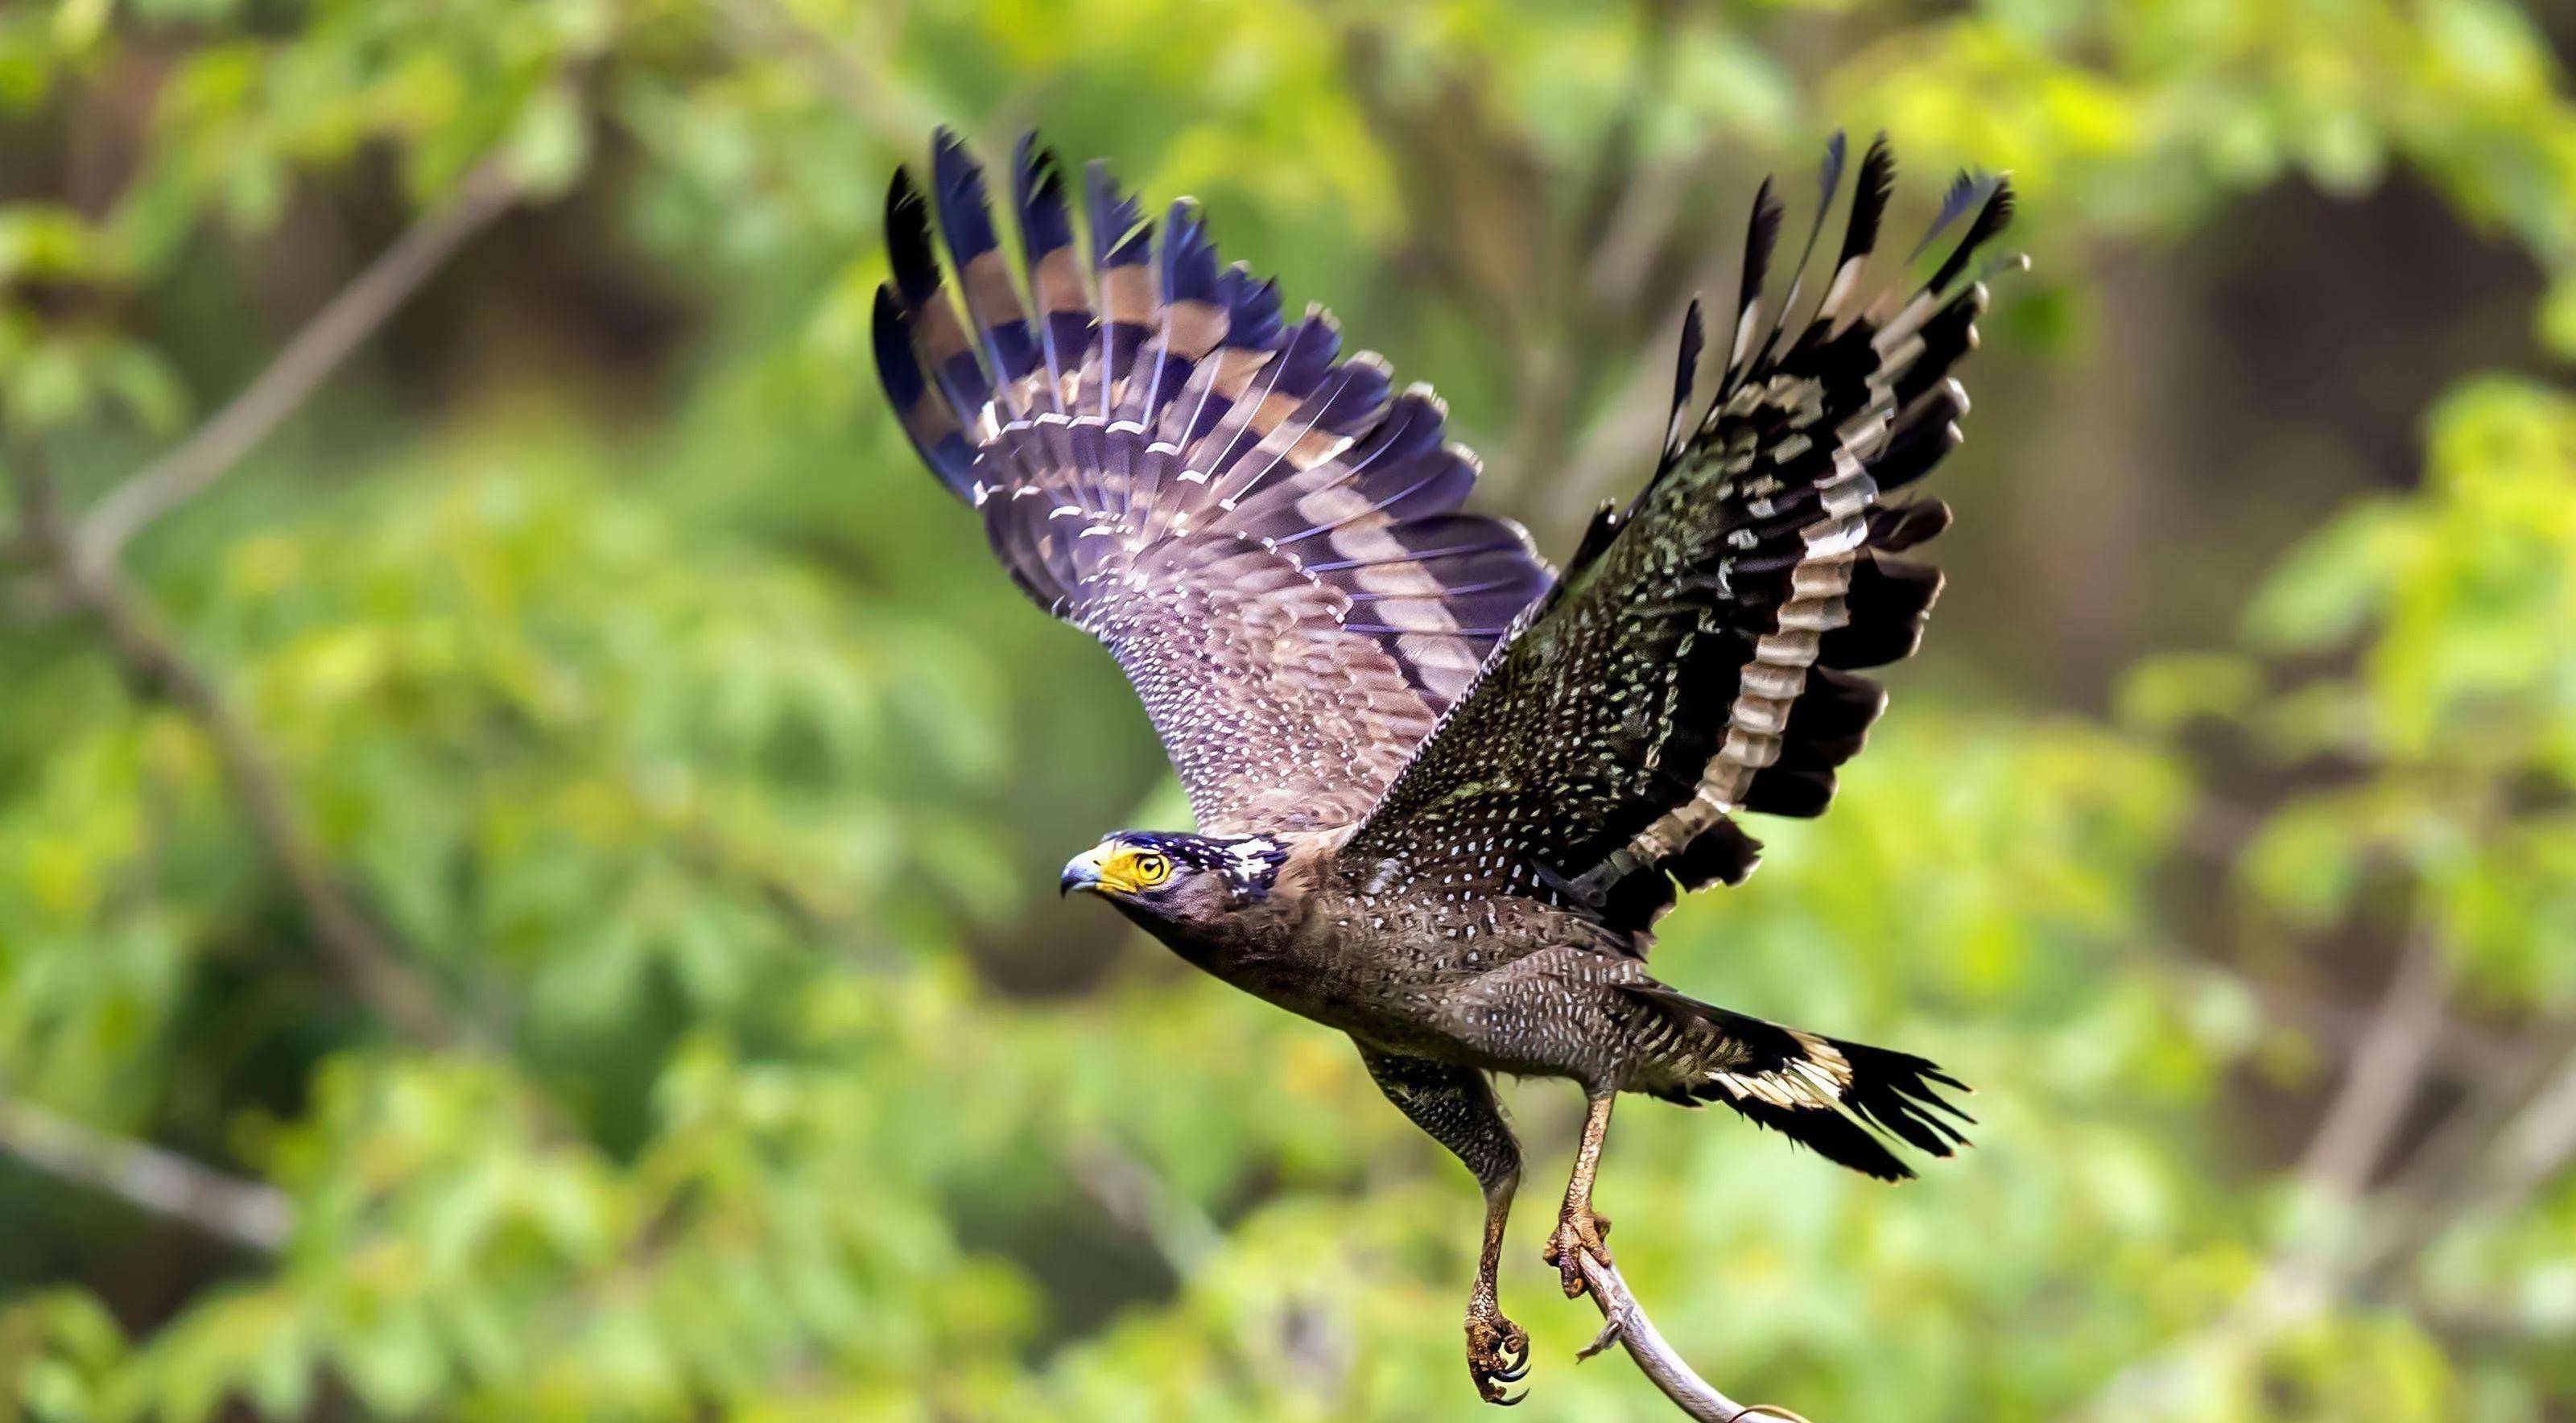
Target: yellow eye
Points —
{"points": [[1149, 869]]}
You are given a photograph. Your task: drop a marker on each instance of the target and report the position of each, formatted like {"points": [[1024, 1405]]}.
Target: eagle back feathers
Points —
{"points": [[1266, 534]]}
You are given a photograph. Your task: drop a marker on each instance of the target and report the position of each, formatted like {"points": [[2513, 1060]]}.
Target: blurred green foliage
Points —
{"points": [[674, 729]]}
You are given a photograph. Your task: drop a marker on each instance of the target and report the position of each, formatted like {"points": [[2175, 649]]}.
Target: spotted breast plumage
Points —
{"points": [[1444, 791]]}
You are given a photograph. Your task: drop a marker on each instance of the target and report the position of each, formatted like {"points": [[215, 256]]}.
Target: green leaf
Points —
{"points": [[2332, 584], [551, 144], [2558, 316]]}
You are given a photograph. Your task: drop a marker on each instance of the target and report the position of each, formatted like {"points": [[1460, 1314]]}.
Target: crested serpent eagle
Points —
{"points": [[1444, 791]]}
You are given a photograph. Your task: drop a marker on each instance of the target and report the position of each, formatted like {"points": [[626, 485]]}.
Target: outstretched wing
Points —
{"points": [[1699, 656], [1266, 536]]}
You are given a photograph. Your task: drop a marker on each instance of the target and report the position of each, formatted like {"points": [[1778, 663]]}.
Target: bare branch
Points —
{"points": [[316, 350], [2541, 1140], [2304, 1277], [154, 662], [2463, 1052], [2526, 1140], [2388, 1068], [1624, 1322], [2384, 1075], [2538, 1145], [248, 1214]]}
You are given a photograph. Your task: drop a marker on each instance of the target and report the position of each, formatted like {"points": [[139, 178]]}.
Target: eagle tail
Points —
{"points": [[1841, 1099]]}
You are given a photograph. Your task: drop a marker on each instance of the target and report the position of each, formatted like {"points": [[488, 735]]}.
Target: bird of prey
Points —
{"points": [[1444, 791]]}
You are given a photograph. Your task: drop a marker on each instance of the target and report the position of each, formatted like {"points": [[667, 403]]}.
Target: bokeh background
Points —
{"points": [[528, 823]]}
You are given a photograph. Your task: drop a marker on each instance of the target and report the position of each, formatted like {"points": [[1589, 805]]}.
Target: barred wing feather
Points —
{"points": [[1265, 534], [1700, 655]]}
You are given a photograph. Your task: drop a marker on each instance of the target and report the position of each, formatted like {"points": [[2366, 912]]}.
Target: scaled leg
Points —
{"points": [[1456, 1106]]}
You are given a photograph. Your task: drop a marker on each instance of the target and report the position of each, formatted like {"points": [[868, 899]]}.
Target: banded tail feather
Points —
{"points": [[1843, 1100]]}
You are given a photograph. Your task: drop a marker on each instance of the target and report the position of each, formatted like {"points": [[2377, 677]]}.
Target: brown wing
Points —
{"points": [[1265, 535], [1698, 657]]}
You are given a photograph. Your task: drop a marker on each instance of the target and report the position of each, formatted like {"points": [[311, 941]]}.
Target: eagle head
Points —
{"points": [[1173, 881]]}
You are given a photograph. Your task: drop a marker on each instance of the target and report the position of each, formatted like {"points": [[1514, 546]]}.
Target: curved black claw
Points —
{"points": [[1498, 1353]]}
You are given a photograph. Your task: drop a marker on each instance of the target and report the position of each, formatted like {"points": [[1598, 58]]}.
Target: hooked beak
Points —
{"points": [[1080, 872]]}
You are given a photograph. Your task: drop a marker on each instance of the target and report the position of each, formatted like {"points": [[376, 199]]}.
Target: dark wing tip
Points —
{"points": [[1993, 194], [957, 180], [1119, 232], [1869, 198], [1761, 234], [1968, 189], [1033, 167], [1685, 375], [901, 191], [951, 163], [907, 232], [892, 337]]}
